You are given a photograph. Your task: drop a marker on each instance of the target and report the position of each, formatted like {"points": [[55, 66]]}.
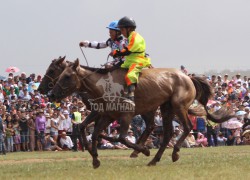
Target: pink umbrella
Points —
{"points": [[12, 69], [211, 102], [233, 124]]}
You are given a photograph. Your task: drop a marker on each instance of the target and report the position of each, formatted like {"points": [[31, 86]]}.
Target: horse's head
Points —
{"points": [[53, 72], [68, 82]]}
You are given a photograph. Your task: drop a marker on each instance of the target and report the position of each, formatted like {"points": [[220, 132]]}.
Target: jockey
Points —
{"points": [[134, 52], [116, 41]]}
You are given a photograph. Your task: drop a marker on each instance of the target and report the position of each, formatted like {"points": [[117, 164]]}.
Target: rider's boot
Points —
{"points": [[131, 97]]}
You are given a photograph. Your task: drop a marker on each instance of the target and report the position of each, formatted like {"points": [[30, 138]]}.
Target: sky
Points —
{"points": [[202, 35]]}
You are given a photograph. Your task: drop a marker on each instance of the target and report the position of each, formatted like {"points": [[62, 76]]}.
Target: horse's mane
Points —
{"points": [[97, 70]]}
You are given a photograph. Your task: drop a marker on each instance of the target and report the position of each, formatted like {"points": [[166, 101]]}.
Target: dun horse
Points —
{"points": [[170, 89], [52, 74]]}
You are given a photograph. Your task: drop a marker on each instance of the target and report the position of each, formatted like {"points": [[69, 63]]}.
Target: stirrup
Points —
{"points": [[130, 100]]}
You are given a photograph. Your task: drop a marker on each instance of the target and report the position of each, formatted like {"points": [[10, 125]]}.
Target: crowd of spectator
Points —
{"points": [[30, 122]]}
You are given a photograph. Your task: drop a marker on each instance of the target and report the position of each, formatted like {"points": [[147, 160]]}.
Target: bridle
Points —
{"points": [[51, 84], [81, 80], [53, 80]]}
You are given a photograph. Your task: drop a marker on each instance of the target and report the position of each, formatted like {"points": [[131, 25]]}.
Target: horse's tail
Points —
{"points": [[203, 92], [197, 110]]}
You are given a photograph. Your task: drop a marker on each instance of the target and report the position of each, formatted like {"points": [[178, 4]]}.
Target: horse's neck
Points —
{"points": [[88, 84], [90, 79]]}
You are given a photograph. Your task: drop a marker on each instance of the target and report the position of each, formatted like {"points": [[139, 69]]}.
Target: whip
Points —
{"points": [[84, 56]]}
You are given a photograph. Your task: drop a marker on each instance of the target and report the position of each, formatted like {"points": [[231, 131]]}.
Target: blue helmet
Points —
{"points": [[113, 25]]}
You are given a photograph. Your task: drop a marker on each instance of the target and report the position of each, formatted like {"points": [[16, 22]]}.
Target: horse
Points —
{"points": [[170, 89], [52, 74]]}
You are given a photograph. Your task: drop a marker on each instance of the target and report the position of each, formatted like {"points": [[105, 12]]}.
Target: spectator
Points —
{"points": [[66, 142], [23, 124], [238, 79], [2, 134], [50, 144], [26, 97], [211, 132], [130, 137], [150, 142], [1, 94], [231, 137], [178, 133], [17, 136], [221, 139], [201, 124], [117, 145], [9, 136], [32, 130], [47, 124], [105, 144], [226, 80], [54, 126], [40, 128], [76, 120], [190, 139], [68, 123], [238, 140], [158, 131], [138, 126], [246, 137], [201, 140]]}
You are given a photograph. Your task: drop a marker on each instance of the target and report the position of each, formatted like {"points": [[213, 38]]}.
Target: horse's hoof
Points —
{"points": [[146, 152], [96, 164], [152, 163], [133, 155], [175, 157]]}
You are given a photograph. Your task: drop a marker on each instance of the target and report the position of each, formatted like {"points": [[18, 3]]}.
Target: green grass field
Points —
{"points": [[197, 163]]}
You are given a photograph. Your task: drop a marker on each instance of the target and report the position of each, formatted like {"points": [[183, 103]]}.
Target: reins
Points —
{"points": [[84, 56]]}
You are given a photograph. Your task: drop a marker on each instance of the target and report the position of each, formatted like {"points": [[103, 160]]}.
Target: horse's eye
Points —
{"points": [[51, 72], [67, 77]]}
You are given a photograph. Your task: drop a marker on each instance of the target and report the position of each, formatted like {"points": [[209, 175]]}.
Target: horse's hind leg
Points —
{"points": [[149, 121], [167, 117], [124, 126], [187, 126]]}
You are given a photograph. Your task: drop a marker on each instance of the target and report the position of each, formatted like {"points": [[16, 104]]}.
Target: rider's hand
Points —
{"points": [[84, 43]]}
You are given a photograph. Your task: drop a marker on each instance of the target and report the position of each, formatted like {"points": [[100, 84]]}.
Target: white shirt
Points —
{"points": [[131, 139], [68, 142], [158, 120], [47, 125], [62, 124], [1, 97], [68, 124], [56, 122]]}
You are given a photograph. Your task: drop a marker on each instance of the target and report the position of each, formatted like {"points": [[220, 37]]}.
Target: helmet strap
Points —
{"points": [[127, 32]]}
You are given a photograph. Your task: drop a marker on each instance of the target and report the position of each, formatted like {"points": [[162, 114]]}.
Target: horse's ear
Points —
{"points": [[60, 60], [76, 64]]}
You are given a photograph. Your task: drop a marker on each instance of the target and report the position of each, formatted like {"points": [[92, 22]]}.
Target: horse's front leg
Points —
{"points": [[99, 126], [92, 117]]}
